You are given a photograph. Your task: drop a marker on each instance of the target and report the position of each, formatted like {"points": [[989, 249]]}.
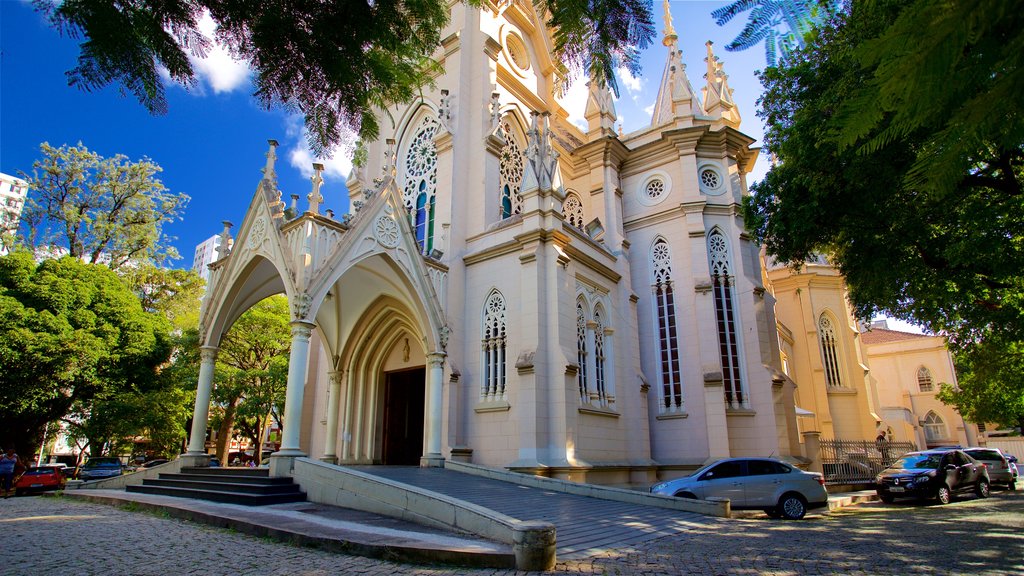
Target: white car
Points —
{"points": [[776, 487]]}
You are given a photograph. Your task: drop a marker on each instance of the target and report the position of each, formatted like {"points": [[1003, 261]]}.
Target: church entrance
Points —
{"points": [[403, 417]]}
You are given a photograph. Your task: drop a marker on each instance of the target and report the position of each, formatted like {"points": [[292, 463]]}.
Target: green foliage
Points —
{"points": [[70, 332], [104, 210], [333, 61], [780, 24], [945, 250], [172, 293], [990, 387]]}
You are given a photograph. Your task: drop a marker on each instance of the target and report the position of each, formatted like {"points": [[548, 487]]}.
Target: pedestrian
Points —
{"points": [[8, 462]]}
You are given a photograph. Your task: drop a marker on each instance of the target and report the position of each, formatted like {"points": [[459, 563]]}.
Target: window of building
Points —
{"points": [[722, 281], [510, 166], [829, 351], [494, 346], [599, 360], [572, 208], [934, 428], [581, 350], [420, 170], [670, 372], [924, 380]]}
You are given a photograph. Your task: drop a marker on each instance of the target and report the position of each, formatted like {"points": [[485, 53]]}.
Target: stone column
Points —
{"points": [[333, 406], [201, 415], [812, 449], [435, 373], [281, 461]]}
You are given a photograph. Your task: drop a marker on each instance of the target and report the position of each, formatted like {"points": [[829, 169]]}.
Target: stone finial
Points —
{"points": [[718, 101], [314, 195], [269, 182], [389, 160], [293, 208], [600, 111], [541, 156], [224, 248], [330, 213], [670, 32]]}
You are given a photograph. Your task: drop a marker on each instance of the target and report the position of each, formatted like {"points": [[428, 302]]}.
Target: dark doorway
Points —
{"points": [[403, 417]]}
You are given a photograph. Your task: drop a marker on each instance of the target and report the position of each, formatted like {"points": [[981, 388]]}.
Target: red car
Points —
{"points": [[40, 479]]}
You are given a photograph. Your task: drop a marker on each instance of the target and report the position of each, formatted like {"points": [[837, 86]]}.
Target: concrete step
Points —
{"points": [[226, 471], [228, 478], [221, 486], [221, 496]]}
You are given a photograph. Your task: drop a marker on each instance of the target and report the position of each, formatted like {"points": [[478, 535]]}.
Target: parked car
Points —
{"points": [[1000, 471], [935, 474], [40, 479], [156, 462], [100, 467], [779, 489]]}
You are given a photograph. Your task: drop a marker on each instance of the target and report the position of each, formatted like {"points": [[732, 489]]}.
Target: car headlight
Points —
{"points": [[658, 487]]}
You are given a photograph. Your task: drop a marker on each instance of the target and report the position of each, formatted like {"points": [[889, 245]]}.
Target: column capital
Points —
{"points": [[336, 376], [208, 353], [436, 358], [302, 329]]}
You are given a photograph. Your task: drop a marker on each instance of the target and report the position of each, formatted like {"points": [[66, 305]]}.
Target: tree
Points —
{"points": [[900, 149], [245, 380], [333, 61], [941, 249], [103, 210], [780, 24], [70, 332]]}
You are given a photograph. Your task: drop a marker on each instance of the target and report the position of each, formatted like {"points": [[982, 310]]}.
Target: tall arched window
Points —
{"points": [[934, 428], [572, 208], [829, 351], [728, 336], [510, 166], [581, 350], [420, 170], [924, 380], [493, 344], [665, 325], [600, 384]]}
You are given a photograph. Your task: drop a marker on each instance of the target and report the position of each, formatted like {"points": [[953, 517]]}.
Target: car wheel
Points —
{"points": [[686, 495], [1011, 486], [982, 489], [773, 512], [942, 494], [886, 498], [792, 507]]}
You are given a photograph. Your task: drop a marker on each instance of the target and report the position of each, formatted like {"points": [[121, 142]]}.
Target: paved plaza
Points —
{"points": [[970, 536]]}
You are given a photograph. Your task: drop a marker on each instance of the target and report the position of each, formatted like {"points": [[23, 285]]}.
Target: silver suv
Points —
{"points": [[1000, 471], [776, 487]]}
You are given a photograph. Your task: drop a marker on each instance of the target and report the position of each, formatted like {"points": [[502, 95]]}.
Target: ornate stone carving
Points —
{"points": [[300, 305], [385, 230], [444, 114], [257, 233]]}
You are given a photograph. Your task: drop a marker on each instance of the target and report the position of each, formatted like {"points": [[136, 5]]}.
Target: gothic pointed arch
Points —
{"points": [[511, 164], [723, 281], [572, 208], [417, 173], [934, 428], [582, 348], [925, 383], [831, 349], [494, 358], [669, 367], [602, 376]]}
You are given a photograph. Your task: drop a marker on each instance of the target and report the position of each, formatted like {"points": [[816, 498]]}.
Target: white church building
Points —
{"points": [[512, 291]]}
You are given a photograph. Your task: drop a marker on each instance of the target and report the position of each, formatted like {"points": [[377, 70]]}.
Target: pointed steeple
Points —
{"points": [[675, 95], [718, 101], [600, 112]]}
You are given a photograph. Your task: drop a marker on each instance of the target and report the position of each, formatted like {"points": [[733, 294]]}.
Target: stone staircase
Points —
{"points": [[247, 486]]}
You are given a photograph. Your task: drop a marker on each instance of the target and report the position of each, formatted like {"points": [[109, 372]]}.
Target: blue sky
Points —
{"points": [[212, 142]]}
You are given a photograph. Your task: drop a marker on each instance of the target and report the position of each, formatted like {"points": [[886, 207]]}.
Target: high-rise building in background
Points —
{"points": [[206, 254], [13, 192]]}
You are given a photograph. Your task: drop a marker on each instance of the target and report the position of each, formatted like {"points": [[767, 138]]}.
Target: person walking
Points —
{"points": [[8, 462]]}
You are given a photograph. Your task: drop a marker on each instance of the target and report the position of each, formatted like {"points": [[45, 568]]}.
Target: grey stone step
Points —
{"points": [[229, 478], [221, 496], [220, 486], [226, 471]]}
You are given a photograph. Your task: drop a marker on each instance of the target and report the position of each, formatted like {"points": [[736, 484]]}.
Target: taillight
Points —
{"points": [[820, 479]]}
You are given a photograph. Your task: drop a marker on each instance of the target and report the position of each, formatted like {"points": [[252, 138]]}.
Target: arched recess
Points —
{"points": [[367, 432], [829, 340], [259, 278], [511, 162], [416, 172]]}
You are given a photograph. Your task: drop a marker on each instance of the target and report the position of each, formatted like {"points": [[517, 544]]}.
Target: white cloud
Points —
{"points": [[634, 85], [574, 100], [649, 110], [339, 165], [219, 70]]}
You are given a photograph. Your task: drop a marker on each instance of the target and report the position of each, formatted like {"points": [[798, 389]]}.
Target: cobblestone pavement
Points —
{"points": [[970, 536]]}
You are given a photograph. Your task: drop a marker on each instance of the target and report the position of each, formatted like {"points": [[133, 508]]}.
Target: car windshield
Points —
{"points": [[103, 463], [918, 461]]}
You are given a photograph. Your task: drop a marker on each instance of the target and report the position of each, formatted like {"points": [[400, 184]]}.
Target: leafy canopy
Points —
{"points": [[69, 332], [901, 146], [333, 61], [103, 210]]}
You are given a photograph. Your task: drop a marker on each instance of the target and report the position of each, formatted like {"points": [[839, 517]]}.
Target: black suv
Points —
{"points": [[932, 474]]}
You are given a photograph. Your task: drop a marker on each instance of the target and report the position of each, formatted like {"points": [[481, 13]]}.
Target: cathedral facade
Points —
{"points": [[516, 292]]}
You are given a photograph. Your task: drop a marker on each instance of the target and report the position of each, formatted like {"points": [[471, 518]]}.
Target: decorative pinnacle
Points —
{"points": [[314, 196], [670, 32]]}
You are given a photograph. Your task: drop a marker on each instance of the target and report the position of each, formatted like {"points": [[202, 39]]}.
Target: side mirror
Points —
{"points": [[708, 476]]}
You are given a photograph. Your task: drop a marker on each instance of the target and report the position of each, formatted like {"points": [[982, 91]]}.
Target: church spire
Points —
{"points": [[718, 101], [675, 95], [600, 112]]}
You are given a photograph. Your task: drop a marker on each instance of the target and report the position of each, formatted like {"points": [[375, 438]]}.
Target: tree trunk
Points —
{"points": [[227, 424]]}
